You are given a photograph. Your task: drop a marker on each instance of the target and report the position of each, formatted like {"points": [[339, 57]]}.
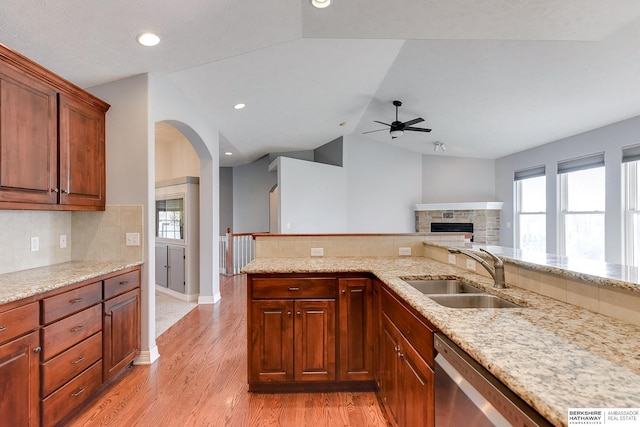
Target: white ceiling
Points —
{"points": [[490, 77]]}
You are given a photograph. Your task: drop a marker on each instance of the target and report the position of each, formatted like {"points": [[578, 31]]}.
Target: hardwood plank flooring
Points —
{"points": [[201, 380]]}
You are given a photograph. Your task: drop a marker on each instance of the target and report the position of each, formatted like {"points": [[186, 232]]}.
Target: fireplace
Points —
{"points": [[480, 218], [460, 227]]}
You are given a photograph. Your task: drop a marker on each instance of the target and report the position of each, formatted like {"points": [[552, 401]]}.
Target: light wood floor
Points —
{"points": [[201, 380]]}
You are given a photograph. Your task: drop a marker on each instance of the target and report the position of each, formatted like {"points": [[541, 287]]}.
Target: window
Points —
{"points": [[531, 204], [631, 164], [582, 206], [170, 218]]}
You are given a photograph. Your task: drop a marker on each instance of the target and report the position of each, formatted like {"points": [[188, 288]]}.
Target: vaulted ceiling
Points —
{"points": [[490, 77]]}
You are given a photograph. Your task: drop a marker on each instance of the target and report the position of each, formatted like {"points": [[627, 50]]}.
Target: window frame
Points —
{"points": [[518, 208], [631, 210]]}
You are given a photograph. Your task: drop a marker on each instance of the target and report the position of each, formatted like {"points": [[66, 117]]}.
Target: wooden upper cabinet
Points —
{"points": [[82, 153], [52, 140], [28, 139]]}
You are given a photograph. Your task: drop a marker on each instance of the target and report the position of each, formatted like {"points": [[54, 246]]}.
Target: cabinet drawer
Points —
{"points": [[289, 288], [18, 321], [70, 363], [67, 332], [419, 335], [71, 395], [121, 284], [70, 302]]}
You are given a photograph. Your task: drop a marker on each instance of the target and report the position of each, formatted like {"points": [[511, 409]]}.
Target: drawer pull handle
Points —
{"points": [[2, 329], [78, 393], [80, 359], [77, 328], [76, 300], [294, 289], [123, 283]]}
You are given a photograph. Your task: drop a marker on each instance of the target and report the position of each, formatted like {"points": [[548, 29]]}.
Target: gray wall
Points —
{"points": [[330, 153], [226, 199], [251, 186], [609, 139], [457, 179]]}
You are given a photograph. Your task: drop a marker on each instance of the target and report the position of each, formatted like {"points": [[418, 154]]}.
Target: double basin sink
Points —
{"points": [[456, 294]]}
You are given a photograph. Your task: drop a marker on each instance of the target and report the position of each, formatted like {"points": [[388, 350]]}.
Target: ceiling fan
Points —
{"points": [[397, 128]]}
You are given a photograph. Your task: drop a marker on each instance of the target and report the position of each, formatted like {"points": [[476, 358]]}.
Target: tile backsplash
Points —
{"points": [[18, 227], [98, 236]]}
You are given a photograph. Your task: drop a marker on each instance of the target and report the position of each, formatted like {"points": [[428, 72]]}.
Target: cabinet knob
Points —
{"points": [[344, 292], [108, 314], [2, 329], [37, 349], [298, 313], [54, 190], [288, 313], [65, 191]]}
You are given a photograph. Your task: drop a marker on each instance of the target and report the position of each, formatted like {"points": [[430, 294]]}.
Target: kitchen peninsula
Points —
{"points": [[553, 354]]}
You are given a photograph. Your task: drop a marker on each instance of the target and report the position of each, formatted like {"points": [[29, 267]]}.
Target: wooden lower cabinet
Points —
{"points": [[292, 341], [121, 341], [20, 381], [356, 331], [405, 364]]}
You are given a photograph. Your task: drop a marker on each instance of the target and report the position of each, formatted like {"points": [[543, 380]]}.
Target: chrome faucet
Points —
{"points": [[497, 271]]}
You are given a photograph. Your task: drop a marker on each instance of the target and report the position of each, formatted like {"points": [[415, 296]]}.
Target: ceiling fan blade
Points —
{"points": [[413, 122], [371, 131], [382, 123], [417, 129]]}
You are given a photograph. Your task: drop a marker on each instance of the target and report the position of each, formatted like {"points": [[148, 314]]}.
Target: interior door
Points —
{"points": [[161, 265]]}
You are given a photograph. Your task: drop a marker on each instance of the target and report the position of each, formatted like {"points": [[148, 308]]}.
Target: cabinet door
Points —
{"points": [[20, 380], [271, 343], [356, 329], [82, 155], [176, 268], [315, 340], [121, 332], [417, 388], [377, 330], [28, 140], [390, 370], [162, 262]]}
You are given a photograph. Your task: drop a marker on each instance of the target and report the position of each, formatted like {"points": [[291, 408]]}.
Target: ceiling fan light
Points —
{"points": [[320, 4], [396, 133]]}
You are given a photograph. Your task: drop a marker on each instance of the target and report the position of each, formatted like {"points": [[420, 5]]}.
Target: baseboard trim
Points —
{"points": [[209, 299], [147, 357]]}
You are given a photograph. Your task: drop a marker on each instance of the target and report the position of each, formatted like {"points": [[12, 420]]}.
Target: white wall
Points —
{"points": [[609, 139], [384, 182], [457, 179], [137, 103], [251, 186], [313, 197]]}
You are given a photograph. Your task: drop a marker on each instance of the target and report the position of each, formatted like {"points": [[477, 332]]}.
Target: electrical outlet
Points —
{"points": [[317, 251], [404, 251], [132, 239], [471, 264], [63, 241], [35, 244], [452, 259]]}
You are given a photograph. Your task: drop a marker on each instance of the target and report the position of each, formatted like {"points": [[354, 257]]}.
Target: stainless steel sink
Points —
{"points": [[473, 301], [445, 286]]}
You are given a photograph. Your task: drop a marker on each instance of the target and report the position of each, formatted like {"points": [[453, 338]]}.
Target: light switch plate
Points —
{"points": [[452, 259], [63, 241], [317, 251], [471, 264], [132, 239], [404, 251], [35, 244]]}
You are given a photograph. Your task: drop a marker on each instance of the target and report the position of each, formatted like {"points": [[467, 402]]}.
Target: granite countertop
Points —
{"points": [[555, 356], [27, 283]]}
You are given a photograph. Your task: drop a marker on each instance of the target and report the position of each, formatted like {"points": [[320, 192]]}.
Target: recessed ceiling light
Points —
{"points": [[148, 39], [320, 4], [228, 153], [239, 106]]}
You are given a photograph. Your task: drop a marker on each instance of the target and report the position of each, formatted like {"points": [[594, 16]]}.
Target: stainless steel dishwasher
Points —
{"points": [[466, 394]]}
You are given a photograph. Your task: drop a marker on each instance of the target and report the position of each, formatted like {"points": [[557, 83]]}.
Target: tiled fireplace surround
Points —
{"points": [[486, 222]]}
